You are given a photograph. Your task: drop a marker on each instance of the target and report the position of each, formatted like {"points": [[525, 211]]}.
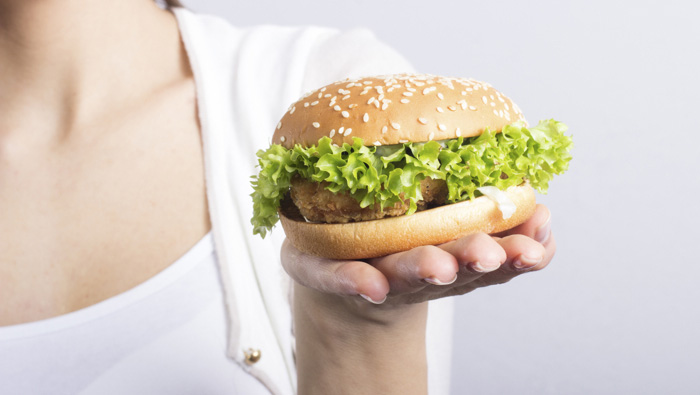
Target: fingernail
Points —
{"points": [[525, 262], [372, 300], [435, 281], [481, 268], [542, 233]]}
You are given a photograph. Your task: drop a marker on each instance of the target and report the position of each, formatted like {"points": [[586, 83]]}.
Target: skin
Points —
{"points": [[380, 346], [101, 174], [102, 187]]}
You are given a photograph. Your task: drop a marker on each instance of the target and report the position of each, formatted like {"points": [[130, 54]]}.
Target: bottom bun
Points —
{"points": [[371, 239]]}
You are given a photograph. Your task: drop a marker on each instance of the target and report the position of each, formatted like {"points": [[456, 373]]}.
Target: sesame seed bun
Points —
{"points": [[389, 110], [395, 109]]}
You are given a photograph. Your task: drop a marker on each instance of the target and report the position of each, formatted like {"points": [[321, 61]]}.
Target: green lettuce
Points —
{"points": [[389, 174]]}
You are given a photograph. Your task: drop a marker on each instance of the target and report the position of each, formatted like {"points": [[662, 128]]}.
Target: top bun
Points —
{"points": [[396, 109]]}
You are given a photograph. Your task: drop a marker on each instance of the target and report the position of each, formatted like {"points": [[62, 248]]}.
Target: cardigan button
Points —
{"points": [[252, 356]]}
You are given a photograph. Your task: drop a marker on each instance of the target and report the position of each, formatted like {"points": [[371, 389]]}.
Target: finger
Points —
{"points": [[479, 253], [335, 277], [522, 252], [550, 246], [413, 270], [537, 227]]}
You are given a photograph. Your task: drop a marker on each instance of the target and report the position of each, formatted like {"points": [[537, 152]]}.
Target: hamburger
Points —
{"points": [[367, 167]]}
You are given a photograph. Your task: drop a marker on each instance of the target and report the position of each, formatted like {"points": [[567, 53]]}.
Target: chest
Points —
{"points": [[100, 213]]}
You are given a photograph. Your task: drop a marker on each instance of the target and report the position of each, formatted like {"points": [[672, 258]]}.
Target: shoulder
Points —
{"points": [[313, 55]]}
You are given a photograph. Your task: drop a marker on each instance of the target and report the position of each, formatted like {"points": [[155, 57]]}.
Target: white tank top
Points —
{"points": [[165, 336]]}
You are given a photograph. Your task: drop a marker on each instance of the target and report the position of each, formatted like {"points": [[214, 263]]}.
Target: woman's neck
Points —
{"points": [[63, 61]]}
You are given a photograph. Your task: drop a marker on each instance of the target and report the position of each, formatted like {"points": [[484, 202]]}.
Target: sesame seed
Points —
{"points": [[337, 107], [470, 90], [458, 132], [377, 143], [323, 89], [423, 121], [403, 141], [353, 105], [384, 129], [314, 103], [341, 130], [282, 139], [306, 104], [495, 112], [367, 82], [506, 106], [332, 133], [431, 135], [440, 96], [464, 93], [371, 100], [316, 125], [472, 108], [365, 117], [348, 131], [390, 89], [395, 125], [484, 99], [463, 103], [439, 109], [442, 127], [405, 101], [385, 105], [327, 95], [279, 126], [492, 98], [452, 108], [493, 104], [345, 114], [381, 96], [292, 110], [408, 94], [346, 97]]}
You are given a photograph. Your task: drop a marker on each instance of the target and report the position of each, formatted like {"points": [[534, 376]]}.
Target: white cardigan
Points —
{"points": [[246, 79]]}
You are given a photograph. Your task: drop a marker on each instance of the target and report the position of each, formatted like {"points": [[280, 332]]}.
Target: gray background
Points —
{"points": [[617, 311]]}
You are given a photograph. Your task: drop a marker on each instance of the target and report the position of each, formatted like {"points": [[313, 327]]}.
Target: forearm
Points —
{"points": [[356, 347]]}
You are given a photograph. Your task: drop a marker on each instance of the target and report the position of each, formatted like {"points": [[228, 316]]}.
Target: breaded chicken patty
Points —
{"points": [[317, 204]]}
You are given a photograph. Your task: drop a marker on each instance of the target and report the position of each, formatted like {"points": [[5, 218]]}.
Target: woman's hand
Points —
{"points": [[332, 321], [430, 272]]}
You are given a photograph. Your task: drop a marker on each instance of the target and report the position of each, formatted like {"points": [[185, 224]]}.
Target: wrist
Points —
{"points": [[380, 346]]}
